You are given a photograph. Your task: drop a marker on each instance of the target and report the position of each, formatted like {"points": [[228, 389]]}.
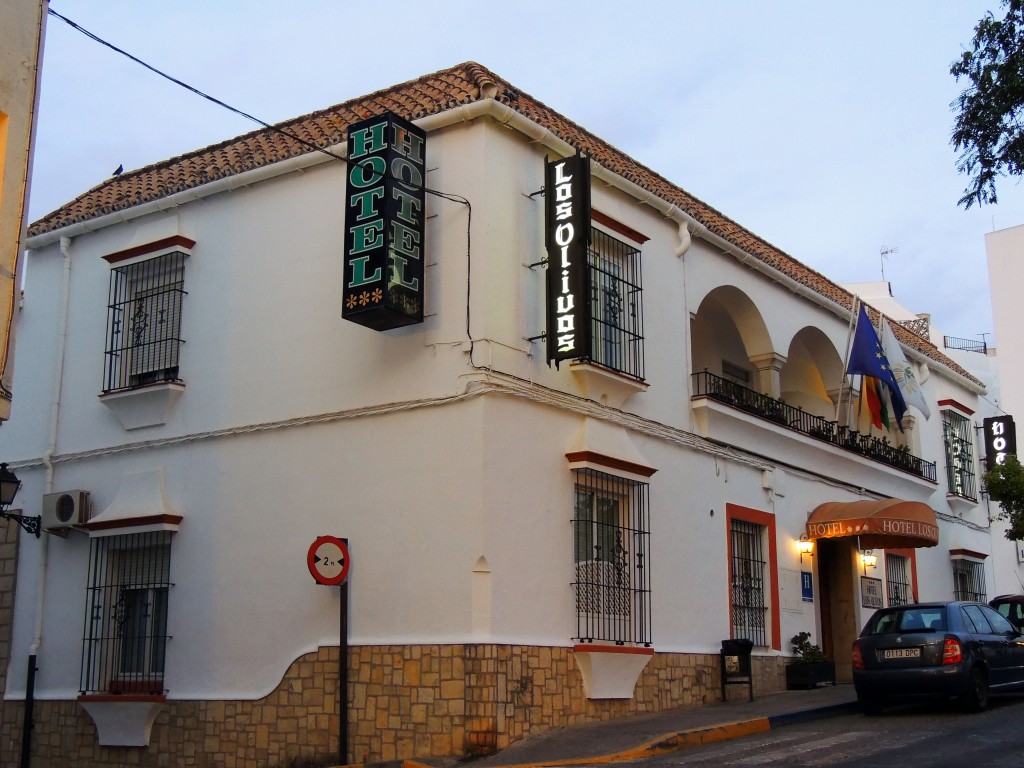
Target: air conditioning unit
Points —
{"points": [[63, 510]]}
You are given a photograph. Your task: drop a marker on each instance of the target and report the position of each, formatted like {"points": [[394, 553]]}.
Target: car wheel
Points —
{"points": [[976, 697], [870, 707]]}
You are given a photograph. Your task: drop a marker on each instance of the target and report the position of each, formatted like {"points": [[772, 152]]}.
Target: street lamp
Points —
{"points": [[869, 559], [9, 485], [805, 547]]}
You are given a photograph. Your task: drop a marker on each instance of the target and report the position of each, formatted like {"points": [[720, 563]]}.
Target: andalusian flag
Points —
{"points": [[903, 371]]}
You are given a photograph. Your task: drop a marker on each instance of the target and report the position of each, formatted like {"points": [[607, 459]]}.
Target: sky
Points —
{"points": [[823, 127]]}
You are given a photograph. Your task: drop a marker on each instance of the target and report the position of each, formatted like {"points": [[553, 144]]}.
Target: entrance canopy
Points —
{"points": [[884, 524]]}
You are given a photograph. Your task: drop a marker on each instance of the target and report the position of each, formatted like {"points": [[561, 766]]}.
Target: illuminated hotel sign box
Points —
{"points": [[1000, 440], [384, 223], [567, 235]]}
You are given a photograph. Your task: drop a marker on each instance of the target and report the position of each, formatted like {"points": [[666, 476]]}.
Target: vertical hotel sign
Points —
{"points": [[1000, 440], [384, 223], [567, 235]]}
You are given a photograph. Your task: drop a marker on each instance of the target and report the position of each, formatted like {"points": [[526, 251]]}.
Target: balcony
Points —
{"points": [[747, 400]]}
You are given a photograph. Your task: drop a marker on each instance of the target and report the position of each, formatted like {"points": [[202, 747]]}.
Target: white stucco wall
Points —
{"points": [[451, 483]]}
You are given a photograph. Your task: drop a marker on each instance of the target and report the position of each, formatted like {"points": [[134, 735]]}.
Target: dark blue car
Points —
{"points": [[955, 650]]}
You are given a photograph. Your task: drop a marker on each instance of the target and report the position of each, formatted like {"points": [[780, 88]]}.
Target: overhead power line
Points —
{"points": [[277, 129], [186, 86], [308, 144]]}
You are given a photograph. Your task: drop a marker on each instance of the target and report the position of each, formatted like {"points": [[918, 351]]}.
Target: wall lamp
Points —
{"points": [[805, 546], [9, 485], [869, 560]]}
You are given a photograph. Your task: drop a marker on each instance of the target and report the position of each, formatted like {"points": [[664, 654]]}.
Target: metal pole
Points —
{"points": [[343, 678], [26, 728]]}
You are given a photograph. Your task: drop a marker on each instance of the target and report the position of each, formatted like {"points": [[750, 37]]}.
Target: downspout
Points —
{"points": [[51, 448]]}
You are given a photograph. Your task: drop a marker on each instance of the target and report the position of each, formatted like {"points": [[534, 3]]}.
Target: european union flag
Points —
{"points": [[868, 359]]}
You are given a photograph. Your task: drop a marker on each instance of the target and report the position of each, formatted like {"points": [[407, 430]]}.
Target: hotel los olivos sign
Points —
{"points": [[841, 528], [1000, 440], [384, 223], [567, 237]]}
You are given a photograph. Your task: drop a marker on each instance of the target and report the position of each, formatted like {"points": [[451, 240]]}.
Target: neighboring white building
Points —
{"points": [[1004, 249], [531, 545], [21, 51]]}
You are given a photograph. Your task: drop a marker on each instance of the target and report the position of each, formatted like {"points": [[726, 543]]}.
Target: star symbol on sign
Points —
{"points": [[350, 302], [364, 299], [377, 295]]}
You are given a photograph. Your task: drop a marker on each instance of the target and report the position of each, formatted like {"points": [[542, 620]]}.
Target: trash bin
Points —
{"points": [[735, 663]]}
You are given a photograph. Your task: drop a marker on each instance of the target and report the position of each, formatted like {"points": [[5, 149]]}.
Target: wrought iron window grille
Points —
{"points": [[969, 580], [959, 444], [144, 322], [617, 328], [897, 574], [748, 607], [611, 545], [126, 630]]}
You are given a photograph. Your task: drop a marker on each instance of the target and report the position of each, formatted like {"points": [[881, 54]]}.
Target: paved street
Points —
{"points": [[909, 738]]}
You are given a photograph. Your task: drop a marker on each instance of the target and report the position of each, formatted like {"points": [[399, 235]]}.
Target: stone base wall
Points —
{"points": [[8, 585], [404, 702]]}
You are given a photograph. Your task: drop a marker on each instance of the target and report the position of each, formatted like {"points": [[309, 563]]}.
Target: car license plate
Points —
{"points": [[901, 653]]}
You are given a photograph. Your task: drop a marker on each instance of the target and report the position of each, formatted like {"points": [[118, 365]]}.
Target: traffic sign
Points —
{"points": [[328, 560]]}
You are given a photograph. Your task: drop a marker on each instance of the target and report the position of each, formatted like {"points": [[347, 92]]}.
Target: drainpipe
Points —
{"points": [[51, 447]]}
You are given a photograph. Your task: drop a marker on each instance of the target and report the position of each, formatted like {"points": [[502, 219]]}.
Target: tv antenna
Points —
{"points": [[886, 250]]}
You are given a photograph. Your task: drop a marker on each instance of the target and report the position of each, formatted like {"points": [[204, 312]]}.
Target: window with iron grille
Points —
{"points": [[611, 542], [144, 322], [125, 638], [897, 575], [749, 610], [616, 307], [956, 432], [969, 580]]}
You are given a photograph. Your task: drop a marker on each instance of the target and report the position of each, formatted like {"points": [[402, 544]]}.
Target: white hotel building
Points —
{"points": [[531, 545]]}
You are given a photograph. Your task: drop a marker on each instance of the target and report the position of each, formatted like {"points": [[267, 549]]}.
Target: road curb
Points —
{"points": [[669, 742], [803, 716]]}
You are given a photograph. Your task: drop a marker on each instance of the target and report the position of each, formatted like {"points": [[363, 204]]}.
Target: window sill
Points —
{"points": [[960, 504], [123, 720], [610, 671], [147, 406], [604, 385]]}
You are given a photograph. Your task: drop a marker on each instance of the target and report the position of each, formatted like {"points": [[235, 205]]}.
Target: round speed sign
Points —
{"points": [[328, 560]]}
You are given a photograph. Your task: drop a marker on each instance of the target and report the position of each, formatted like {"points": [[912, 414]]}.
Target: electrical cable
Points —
{"points": [[313, 147], [308, 144]]}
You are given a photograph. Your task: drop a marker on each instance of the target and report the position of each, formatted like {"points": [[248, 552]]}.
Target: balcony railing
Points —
{"points": [[763, 406], [967, 345]]}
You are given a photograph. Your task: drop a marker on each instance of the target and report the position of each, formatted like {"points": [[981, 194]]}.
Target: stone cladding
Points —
{"points": [[404, 702]]}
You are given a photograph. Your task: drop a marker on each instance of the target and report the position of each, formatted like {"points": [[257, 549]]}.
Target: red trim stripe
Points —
{"points": [[157, 245]]}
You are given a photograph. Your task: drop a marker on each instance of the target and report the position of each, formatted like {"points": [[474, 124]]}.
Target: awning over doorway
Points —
{"points": [[880, 524]]}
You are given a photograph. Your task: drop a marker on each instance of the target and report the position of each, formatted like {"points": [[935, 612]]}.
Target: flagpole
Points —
{"points": [[846, 358], [860, 405]]}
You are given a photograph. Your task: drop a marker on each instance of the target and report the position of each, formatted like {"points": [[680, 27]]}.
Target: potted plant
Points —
{"points": [[810, 667]]}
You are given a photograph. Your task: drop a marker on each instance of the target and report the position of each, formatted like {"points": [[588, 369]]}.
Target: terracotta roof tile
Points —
{"points": [[427, 95]]}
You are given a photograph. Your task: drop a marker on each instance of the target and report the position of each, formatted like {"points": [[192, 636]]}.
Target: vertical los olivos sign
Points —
{"points": [[384, 223], [567, 235]]}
